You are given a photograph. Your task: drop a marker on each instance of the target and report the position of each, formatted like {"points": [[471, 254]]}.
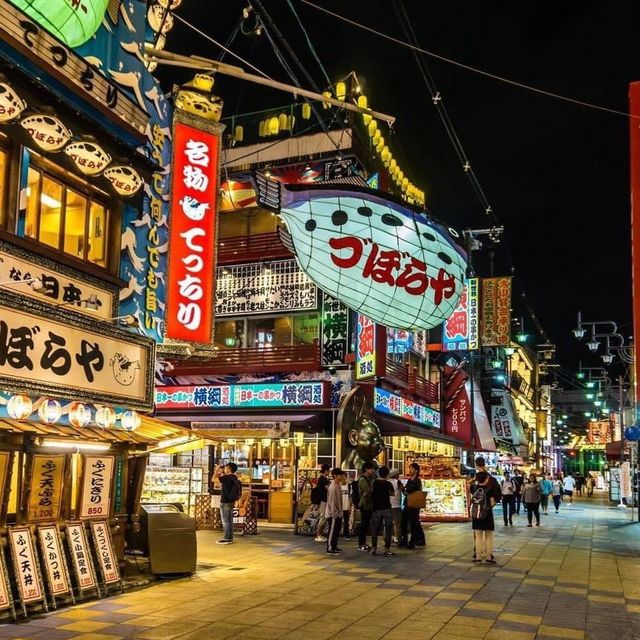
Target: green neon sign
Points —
{"points": [[73, 22]]}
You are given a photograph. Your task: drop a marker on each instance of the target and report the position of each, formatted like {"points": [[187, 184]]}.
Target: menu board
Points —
{"points": [[45, 487], [53, 560], [97, 479], [25, 565], [81, 556], [447, 500], [107, 560], [5, 598]]}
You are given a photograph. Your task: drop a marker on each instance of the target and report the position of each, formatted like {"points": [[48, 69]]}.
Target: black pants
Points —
{"points": [[346, 516], [518, 503], [380, 519], [556, 501], [508, 508], [365, 520], [334, 532], [410, 521], [535, 508]]}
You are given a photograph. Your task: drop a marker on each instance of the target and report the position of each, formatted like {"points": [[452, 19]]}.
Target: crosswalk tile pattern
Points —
{"points": [[577, 577]]}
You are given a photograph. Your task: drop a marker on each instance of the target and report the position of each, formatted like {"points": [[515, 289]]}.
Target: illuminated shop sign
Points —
{"points": [[496, 312], [399, 407], [335, 331], [243, 396], [398, 268], [365, 348], [194, 197], [461, 330]]}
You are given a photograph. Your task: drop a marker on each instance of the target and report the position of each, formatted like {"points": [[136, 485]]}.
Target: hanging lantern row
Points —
{"points": [[20, 407], [50, 134], [273, 126]]}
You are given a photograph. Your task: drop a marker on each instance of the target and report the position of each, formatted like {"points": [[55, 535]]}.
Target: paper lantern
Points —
{"points": [[306, 111], [79, 415], [88, 157], [282, 121], [11, 104], [105, 417], [298, 438], [326, 94], [363, 103], [130, 420], [72, 22], [125, 180], [48, 132], [19, 407], [274, 126], [398, 267], [238, 133], [50, 411], [372, 128], [341, 91]]}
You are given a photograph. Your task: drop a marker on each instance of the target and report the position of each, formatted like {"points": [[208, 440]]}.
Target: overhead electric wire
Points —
{"points": [[461, 65]]}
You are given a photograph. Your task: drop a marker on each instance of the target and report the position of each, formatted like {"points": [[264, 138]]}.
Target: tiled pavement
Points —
{"points": [[576, 577]]}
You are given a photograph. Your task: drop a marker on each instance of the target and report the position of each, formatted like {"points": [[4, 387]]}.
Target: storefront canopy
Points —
{"points": [[390, 426]]}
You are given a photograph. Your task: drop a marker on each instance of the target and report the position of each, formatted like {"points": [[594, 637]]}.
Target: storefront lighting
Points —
{"points": [[19, 407], [231, 440], [79, 414], [266, 442], [171, 442], [105, 417], [126, 181], [284, 442], [48, 132], [50, 411], [89, 157], [70, 445], [130, 420], [594, 419], [298, 439], [11, 105], [249, 441]]}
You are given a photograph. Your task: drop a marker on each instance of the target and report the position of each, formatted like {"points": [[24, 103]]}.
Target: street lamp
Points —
{"points": [[609, 332]]}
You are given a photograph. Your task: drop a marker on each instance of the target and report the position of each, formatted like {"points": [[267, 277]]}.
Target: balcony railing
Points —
{"points": [[427, 390], [252, 248], [397, 373], [274, 360], [404, 376]]}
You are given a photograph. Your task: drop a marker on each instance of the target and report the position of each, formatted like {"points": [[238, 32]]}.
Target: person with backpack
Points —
{"points": [[531, 496], [546, 487], [333, 511], [365, 503], [381, 493], [231, 492], [319, 497], [483, 499], [508, 488]]}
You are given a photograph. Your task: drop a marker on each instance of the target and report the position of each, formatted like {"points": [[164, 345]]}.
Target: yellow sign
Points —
{"points": [[541, 424], [45, 488], [97, 478]]}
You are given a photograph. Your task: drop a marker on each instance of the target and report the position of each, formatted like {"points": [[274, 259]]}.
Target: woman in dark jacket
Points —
{"points": [[411, 517]]}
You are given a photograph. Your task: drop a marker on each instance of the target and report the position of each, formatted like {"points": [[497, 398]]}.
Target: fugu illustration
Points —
{"points": [[398, 267]]}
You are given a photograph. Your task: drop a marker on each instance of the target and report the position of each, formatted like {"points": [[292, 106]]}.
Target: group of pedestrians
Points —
{"points": [[379, 499]]}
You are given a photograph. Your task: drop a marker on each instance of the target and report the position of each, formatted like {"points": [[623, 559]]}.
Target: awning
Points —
{"points": [[390, 426]]}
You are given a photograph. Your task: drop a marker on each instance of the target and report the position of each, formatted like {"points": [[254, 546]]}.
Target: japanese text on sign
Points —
{"points": [[54, 562], [496, 312], [461, 329], [96, 486], [80, 555], [25, 564], [45, 495], [277, 394], [335, 330], [394, 405], [365, 348], [192, 235], [104, 551]]}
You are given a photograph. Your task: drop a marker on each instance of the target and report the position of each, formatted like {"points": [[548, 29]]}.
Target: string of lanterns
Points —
{"points": [[20, 407]]}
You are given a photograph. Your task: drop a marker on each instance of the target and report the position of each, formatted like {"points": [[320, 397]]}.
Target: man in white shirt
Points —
{"points": [[569, 486], [396, 511], [509, 490]]}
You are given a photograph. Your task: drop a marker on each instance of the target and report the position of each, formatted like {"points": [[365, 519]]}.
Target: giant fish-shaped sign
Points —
{"points": [[398, 267]]}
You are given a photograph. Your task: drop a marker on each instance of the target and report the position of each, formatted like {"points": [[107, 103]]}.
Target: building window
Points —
{"points": [[65, 218]]}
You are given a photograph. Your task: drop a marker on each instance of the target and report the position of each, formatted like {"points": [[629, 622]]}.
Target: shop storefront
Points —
{"points": [[272, 431]]}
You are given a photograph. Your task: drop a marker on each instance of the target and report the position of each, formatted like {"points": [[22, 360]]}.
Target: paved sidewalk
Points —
{"points": [[576, 577]]}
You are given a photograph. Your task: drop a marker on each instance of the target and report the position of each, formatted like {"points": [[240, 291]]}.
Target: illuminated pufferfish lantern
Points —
{"points": [[398, 267]]}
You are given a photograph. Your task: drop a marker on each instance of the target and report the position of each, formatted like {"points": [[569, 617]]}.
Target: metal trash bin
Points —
{"points": [[168, 538]]}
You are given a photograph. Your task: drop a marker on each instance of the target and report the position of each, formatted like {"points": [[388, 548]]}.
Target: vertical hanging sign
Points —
{"points": [[335, 331], [192, 236], [365, 348], [461, 329], [496, 312]]}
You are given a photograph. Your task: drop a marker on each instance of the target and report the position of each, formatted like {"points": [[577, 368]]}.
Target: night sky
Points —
{"points": [[556, 174]]}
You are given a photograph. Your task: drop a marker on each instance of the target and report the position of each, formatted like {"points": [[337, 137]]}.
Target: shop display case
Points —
{"points": [[446, 500], [173, 484]]}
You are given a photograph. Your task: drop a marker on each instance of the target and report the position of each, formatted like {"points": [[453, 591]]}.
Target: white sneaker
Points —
{"points": [[320, 539]]}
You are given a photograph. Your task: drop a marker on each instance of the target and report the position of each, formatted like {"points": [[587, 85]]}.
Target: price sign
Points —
{"points": [[45, 487], [55, 565], [95, 500], [25, 565], [5, 598], [107, 560], [81, 556]]}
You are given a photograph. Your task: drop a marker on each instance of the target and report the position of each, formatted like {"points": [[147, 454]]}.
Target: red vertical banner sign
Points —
{"points": [[634, 135], [458, 419], [496, 312], [192, 236]]}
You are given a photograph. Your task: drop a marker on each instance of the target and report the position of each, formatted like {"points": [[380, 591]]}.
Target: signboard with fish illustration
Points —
{"points": [[397, 267]]}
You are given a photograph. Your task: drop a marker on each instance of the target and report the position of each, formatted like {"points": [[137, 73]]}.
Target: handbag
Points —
{"points": [[416, 500]]}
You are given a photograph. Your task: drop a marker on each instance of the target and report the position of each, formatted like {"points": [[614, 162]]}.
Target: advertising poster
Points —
{"points": [[461, 329], [496, 312]]}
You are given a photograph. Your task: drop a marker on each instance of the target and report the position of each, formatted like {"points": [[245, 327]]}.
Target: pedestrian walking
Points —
{"points": [[556, 492], [519, 480], [531, 496], [321, 499], [333, 511], [396, 504], [569, 487], [347, 504], [414, 501], [508, 488], [381, 498], [579, 483], [591, 483], [365, 503], [546, 486], [483, 499], [231, 491]]}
